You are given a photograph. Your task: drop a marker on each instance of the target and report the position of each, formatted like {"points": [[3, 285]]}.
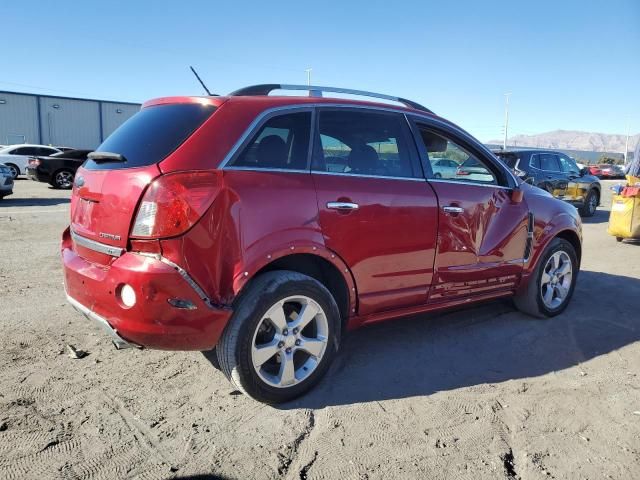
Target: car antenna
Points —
{"points": [[202, 83]]}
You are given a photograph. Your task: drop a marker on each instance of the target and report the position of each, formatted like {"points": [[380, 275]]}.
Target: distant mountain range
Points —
{"points": [[573, 140]]}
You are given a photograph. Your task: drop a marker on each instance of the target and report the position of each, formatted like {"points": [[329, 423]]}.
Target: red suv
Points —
{"points": [[265, 226]]}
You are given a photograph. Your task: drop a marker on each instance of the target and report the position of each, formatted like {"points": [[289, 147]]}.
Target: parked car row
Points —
{"points": [[54, 165]]}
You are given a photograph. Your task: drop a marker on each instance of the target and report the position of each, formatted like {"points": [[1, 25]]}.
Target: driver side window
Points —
{"points": [[568, 165]]}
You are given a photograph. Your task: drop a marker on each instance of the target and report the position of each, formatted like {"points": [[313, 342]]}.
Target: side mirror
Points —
{"points": [[584, 171], [517, 195]]}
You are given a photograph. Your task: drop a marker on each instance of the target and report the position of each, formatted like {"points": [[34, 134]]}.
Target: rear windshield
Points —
{"points": [[152, 134]]}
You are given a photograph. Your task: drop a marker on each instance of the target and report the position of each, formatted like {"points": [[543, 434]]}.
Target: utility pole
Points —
{"points": [[506, 120], [308, 70]]}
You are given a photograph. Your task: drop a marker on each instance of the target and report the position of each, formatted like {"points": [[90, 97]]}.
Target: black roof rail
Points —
{"points": [[316, 91]]}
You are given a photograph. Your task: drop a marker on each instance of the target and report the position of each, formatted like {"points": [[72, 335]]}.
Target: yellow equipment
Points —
{"points": [[624, 221]]}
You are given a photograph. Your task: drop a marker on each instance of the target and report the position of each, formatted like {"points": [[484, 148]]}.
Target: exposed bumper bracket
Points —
{"points": [[119, 342]]}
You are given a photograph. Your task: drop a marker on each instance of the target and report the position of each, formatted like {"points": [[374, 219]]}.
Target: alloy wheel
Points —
{"points": [[290, 341], [14, 171], [555, 284], [64, 179]]}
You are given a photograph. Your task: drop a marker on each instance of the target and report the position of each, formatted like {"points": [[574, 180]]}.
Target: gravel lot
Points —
{"points": [[480, 393]]}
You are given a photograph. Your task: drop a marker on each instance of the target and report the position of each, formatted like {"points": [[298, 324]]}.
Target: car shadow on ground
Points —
{"points": [[487, 344], [32, 202], [600, 216]]}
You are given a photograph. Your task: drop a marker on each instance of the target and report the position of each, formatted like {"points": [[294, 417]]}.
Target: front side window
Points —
{"points": [[469, 167], [281, 143], [363, 143], [568, 165]]}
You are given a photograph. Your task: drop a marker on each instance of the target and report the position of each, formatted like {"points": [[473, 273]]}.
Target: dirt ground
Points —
{"points": [[483, 393]]}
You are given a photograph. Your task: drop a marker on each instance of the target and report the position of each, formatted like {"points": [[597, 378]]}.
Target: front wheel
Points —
{"points": [[282, 337], [552, 283], [15, 171], [590, 204]]}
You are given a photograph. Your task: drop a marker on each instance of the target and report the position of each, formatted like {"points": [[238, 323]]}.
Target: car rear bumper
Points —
{"points": [[152, 322], [34, 174]]}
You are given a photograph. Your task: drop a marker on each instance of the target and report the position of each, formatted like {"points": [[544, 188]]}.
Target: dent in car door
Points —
{"points": [[482, 233]]}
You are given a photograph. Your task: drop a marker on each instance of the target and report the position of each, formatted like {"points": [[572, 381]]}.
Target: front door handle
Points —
{"points": [[452, 209], [342, 205]]}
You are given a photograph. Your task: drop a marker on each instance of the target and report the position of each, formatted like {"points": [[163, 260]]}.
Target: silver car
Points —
{"points": [[6, 181], [444, 167]]}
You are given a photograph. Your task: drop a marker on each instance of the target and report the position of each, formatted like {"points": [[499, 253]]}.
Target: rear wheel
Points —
{"points": [[552, 284], [437, 175], [590, 204], [282, 337], [62, 179], [15, 171]]}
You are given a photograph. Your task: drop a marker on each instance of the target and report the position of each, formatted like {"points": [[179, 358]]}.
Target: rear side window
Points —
{"points": [[363, 143], [152, 134], [281, 143]]}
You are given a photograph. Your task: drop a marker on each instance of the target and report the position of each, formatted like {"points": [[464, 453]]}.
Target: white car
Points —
{"points": [[16, 157], [444, 167]]}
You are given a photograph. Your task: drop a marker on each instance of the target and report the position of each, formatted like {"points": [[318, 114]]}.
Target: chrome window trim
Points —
{"points": [[462, 182], [96, 246], [254, 169], [346, 174]]}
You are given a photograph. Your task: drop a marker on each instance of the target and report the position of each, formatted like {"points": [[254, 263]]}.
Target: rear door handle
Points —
{"points": [[342, 205], [452, 209]]}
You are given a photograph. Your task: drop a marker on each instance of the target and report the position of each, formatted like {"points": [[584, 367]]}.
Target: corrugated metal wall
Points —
{"points": [[69, 123], [60, 121], [114, 115], [18, 119]]}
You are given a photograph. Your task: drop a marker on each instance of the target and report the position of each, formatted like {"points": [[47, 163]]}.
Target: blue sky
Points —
{"points": [[571, 65]]}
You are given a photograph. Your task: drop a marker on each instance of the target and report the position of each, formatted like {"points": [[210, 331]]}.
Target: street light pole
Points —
{"points": [[506, 120], [308, 70]]}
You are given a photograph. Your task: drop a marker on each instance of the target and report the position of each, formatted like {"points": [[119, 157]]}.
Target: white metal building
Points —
{"points": [[59, 121]]}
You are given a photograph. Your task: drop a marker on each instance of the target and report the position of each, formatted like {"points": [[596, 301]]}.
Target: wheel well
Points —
{"points": [[573, 239], [320, 269]]}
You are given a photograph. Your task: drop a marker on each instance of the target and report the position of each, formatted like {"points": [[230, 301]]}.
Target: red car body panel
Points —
{"points": [[481, 249], [398, 254], [389, 242]]}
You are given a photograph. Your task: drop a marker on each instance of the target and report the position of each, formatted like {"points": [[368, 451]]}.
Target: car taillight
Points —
{"points": [[34, 162], [173, 203], [462, 172]]}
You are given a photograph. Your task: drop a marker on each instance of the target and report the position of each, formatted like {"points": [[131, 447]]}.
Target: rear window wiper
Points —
{"points": [[100, 157]]}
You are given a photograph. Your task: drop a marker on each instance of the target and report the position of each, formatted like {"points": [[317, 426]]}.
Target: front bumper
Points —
{"points": [[152, 322], [6, 186]]}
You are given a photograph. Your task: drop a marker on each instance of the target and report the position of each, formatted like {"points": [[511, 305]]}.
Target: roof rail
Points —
{"points": [[316, 91]]}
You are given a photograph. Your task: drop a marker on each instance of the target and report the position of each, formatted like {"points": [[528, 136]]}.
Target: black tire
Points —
{"points": [[62, 179], [619, 239], [588, 209], [437, 175], [234, 347], [530, 301], [15, 171]]}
